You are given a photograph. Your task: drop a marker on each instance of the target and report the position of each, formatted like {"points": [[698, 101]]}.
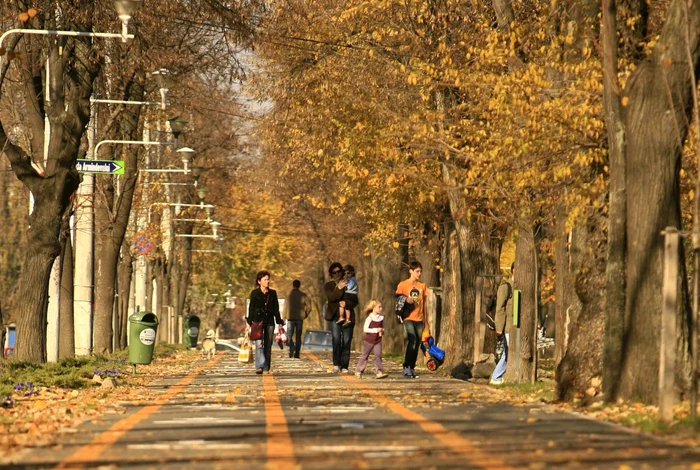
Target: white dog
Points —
{"points": [[209, 345]]}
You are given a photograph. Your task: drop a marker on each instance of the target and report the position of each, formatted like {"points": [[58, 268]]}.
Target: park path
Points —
{"points": [[224, 416]]}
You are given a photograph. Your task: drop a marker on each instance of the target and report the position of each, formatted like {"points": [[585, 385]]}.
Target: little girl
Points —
{"points": [[373, 339]]}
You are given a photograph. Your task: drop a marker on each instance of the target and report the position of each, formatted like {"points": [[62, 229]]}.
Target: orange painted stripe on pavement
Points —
{"points": [[280, 452], [475, 456], [90, 452]]}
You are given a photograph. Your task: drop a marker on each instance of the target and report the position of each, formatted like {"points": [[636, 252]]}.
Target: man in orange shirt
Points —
{"points": [[416, 293]]}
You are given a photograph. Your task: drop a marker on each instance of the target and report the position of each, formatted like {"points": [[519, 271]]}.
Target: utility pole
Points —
{"points": [[84, 249]]}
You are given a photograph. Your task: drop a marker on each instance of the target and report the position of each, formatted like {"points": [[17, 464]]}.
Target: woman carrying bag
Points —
{"points": [[263, 312]]}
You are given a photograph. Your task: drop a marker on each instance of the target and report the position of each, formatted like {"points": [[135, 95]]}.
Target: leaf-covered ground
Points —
{"points": [[34, 415], [38, 415]]}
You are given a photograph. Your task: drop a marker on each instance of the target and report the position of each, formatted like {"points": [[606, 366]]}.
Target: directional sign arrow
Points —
{"points": [[111, 167]]}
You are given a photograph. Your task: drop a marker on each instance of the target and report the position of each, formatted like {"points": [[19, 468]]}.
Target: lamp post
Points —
{"points": [[186, 155], [214, 227], [125, 9]]}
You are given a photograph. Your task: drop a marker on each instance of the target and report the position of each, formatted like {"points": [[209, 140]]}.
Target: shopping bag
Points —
{"points": [[245, 355]]}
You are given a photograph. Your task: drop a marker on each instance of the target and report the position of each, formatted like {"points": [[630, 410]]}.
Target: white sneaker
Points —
{"points": [[336, 369], [358, 375], [381, 375], [344, 371], [496, 381]]}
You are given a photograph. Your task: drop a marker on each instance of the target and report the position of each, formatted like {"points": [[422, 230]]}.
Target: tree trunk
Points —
{"points": [[658, 98], [66, 343], [562, 288], [523, 369], [471, 257], [452, 321], [615, 296], [581, 365], [53, 177], [386, 269], [186, 269], [106, 254], [158, 274], [124, 273]]}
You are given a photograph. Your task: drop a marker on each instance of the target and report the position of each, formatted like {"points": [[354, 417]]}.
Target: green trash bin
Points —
{"points": [[190, 330], [142, 337]]}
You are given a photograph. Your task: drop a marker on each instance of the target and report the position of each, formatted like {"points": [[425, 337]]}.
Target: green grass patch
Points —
{"points": [[539, 390], [650, 423], [72, 373]]}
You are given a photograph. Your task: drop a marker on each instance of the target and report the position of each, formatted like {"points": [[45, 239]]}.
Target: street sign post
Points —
{"points": [[109, 167]]}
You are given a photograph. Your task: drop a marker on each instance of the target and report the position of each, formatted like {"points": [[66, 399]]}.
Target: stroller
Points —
{"points": [[435, 355]]}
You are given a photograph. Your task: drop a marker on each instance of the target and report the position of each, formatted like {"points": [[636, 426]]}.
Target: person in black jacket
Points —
{"points": [[342, 334], [264, 307]]}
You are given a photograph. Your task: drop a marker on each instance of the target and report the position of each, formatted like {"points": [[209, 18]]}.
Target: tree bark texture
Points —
{"points": [[615, 290], [124, 273], [386, 269], [584, 322], [471, 257], [66, 324], [185, 271], [451, 324], [563, 287], [522, 367], [657, 109], [53, 177]]}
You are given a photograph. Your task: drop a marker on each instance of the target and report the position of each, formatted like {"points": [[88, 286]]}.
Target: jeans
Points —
{"points": [[342, 339], [369, 347], [294, 337], [412, 332], [263, 348], [500, 369]]}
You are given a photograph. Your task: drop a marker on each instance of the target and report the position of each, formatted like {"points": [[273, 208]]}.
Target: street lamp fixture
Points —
{"points": [[214, 227], [186, 155], [177, 126], [125, 9], [202, 194], [164, 81], [197, 171]]}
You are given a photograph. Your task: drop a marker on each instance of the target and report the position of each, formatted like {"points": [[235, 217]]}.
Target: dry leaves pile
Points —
{"points": [[39, 419]]}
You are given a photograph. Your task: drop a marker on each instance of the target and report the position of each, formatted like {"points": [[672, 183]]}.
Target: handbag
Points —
{"points": [[244, 355], [256, 330]]}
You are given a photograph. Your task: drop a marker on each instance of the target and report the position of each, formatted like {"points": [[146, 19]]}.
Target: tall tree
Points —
{"points": [[47, 166]]}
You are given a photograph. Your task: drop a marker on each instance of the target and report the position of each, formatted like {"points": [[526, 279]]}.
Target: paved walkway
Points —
{"points": [[223, 415]]}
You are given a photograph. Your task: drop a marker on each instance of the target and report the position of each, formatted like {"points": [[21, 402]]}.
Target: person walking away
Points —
{"points": [[350, 296], [374, 329], [341, 334], [297, 309], [416, 292], [503, 321], [264, 307]]}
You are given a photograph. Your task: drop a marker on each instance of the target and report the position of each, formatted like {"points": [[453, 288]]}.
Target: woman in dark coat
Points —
{"points": [[264, 307]]}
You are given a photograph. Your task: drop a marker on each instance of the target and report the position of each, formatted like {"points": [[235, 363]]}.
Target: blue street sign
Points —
{"points": [[111, 167]]}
